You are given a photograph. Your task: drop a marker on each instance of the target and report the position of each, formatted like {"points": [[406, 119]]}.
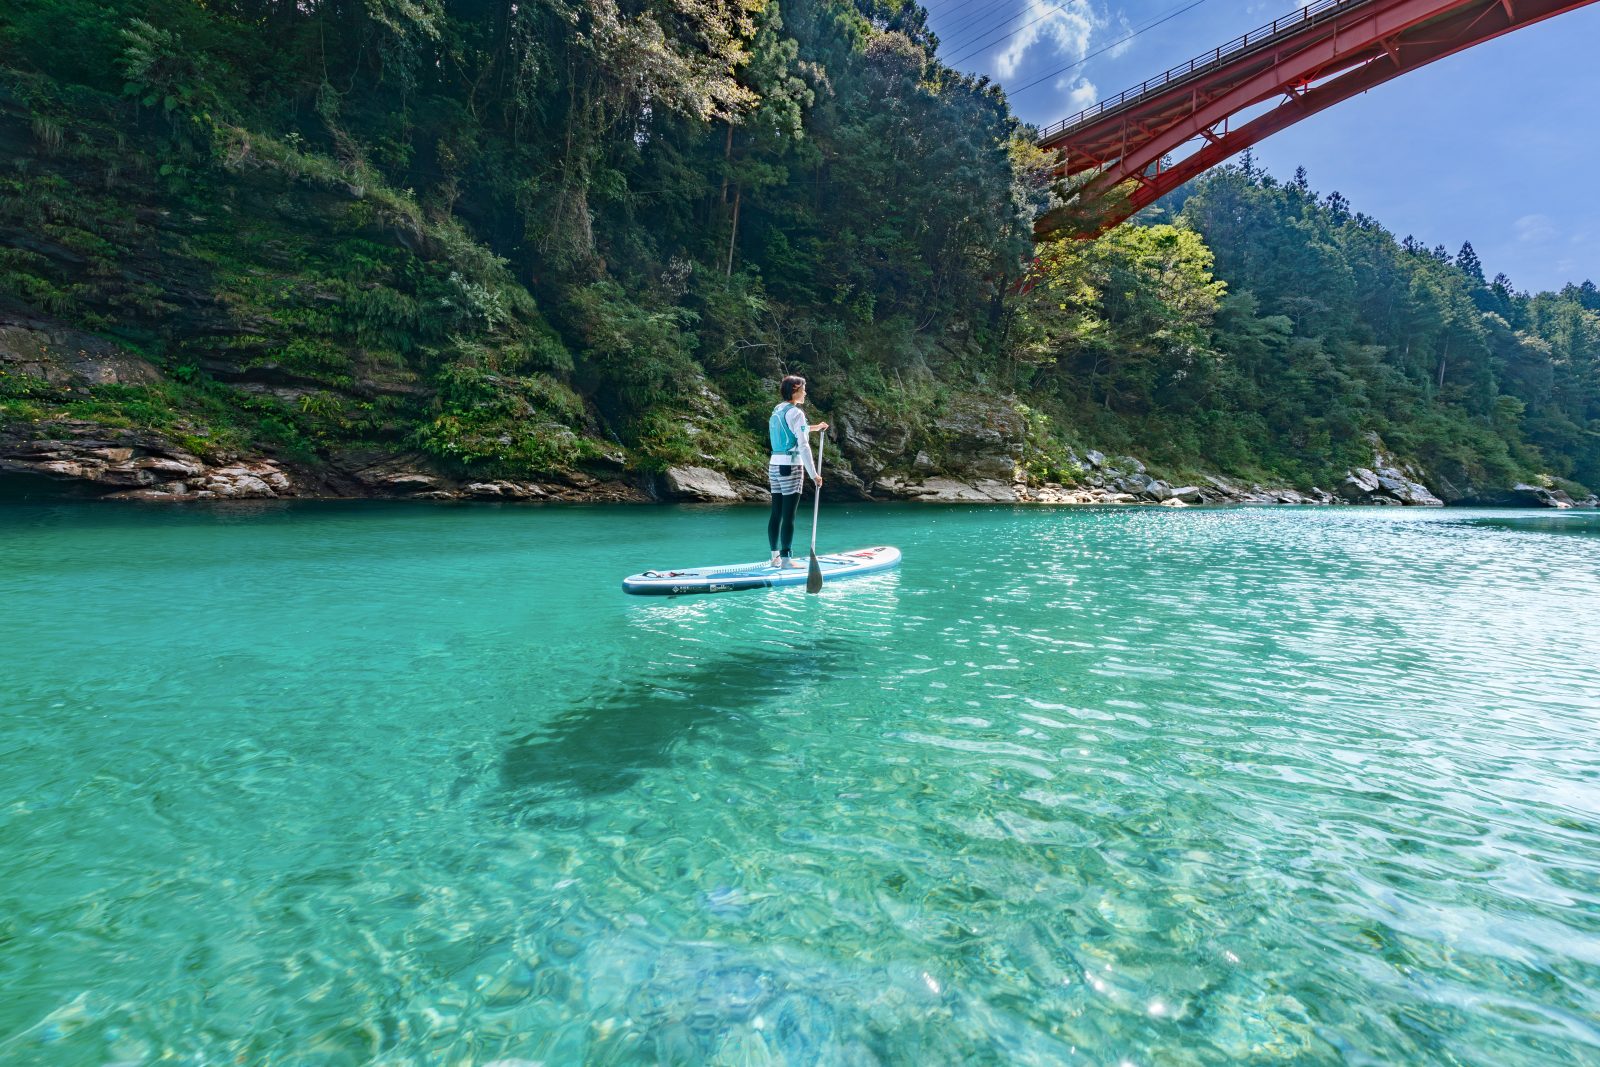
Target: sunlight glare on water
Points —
{"points": [[334, 784]]}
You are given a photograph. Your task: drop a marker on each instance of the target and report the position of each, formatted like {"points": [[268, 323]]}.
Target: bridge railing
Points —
{"points": [[1312, 13]]}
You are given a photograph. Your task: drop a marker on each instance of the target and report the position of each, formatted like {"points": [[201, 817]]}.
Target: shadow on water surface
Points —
{"points": [[1585, 524], [606, 743]]}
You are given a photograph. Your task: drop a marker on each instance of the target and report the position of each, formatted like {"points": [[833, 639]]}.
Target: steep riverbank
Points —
{"points": [[982, 455]]}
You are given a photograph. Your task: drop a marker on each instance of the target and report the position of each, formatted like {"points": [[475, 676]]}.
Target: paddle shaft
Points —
{"points": [[822, 442], [814, 574]]}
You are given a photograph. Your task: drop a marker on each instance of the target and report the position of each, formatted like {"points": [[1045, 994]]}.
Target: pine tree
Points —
{"points": [[1467, 260]]}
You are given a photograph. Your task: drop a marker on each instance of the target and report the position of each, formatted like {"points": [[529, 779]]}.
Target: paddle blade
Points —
{"points": [[814, 575]]}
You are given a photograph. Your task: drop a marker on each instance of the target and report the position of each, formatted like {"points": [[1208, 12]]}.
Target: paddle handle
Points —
{"points": [[822, 442]]}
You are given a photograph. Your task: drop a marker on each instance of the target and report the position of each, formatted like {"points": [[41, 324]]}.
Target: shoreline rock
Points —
{"points": [[698, 484], [1387, 482], [88, 459]]}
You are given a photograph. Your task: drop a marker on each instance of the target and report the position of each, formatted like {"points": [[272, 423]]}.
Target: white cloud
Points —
{"points": [[1531, 228], [1125, 38], [1080, 93], [1065, 30]]}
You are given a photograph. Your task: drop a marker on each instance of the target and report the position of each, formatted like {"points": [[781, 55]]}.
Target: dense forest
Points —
{"points": [[580, 239]]}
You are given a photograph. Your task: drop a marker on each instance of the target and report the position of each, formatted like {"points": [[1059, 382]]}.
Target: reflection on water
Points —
{"points": [[401, 785]]}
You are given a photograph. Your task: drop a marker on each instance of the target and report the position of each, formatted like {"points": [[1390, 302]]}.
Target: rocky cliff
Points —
{"points": [[973, 452], [287, 329]]}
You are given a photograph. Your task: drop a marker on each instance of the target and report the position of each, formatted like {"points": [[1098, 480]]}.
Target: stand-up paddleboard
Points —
{"points": [[836, 566]]}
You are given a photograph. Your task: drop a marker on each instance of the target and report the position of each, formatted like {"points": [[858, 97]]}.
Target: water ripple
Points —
{"points": [[411, 786]]}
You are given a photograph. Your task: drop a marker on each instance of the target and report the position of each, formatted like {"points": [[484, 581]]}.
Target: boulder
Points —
{"points": [[1134, 483], [1387, 481], [1358, 484], [1095, 459], [409, 481], [181, 465], [504, 490], [1538, 496], [1386, 485], [1189, 494], [163, 493], [240, 481], [999, 492], [698, 483], [951, 491]]}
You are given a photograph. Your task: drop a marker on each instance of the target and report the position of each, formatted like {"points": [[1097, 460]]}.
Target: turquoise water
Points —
{"points": [[418, 785]]}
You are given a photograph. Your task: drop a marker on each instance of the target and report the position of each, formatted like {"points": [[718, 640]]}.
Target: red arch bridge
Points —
{"points": [[1328, 51]]}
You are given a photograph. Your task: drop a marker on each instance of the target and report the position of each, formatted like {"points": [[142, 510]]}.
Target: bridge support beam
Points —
{"points": [[1332, 51]]}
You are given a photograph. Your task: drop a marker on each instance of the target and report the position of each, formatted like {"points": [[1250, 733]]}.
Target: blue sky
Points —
{"points": [[1499, 145]]}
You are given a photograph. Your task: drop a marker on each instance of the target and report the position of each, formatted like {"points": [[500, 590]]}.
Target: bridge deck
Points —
{"points": [[1261, 39], [1326, 53]]}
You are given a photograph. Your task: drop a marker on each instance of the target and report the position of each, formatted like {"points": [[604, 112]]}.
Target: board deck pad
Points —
{"points": [[689, 581]]}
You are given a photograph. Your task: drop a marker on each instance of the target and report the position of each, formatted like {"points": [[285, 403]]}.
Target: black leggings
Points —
{"points": [[780, 527]]}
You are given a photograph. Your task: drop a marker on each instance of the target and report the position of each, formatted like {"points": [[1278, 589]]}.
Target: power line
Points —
{"points": [[959, 40], [953, 8], [1168, 17], [991, 43], [962, 27]]}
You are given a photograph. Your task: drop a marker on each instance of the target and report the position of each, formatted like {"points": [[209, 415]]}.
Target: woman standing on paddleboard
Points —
{"points": [[791, 461]]}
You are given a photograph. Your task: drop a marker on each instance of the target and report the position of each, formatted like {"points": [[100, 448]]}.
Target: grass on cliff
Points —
{"points": [[195, 418], [292, 301]]}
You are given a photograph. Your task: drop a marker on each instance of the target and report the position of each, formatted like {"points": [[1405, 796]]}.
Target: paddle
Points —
{"points": [[814, 575]]}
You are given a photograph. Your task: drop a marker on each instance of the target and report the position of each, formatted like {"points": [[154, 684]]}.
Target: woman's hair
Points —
{"points": [[787, 387]]}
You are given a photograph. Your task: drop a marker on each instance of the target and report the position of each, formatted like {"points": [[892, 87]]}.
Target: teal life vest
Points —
{"points": [[784, 441]]}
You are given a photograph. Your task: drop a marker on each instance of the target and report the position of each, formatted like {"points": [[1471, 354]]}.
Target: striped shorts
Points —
{"points": [[785, 479]]}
